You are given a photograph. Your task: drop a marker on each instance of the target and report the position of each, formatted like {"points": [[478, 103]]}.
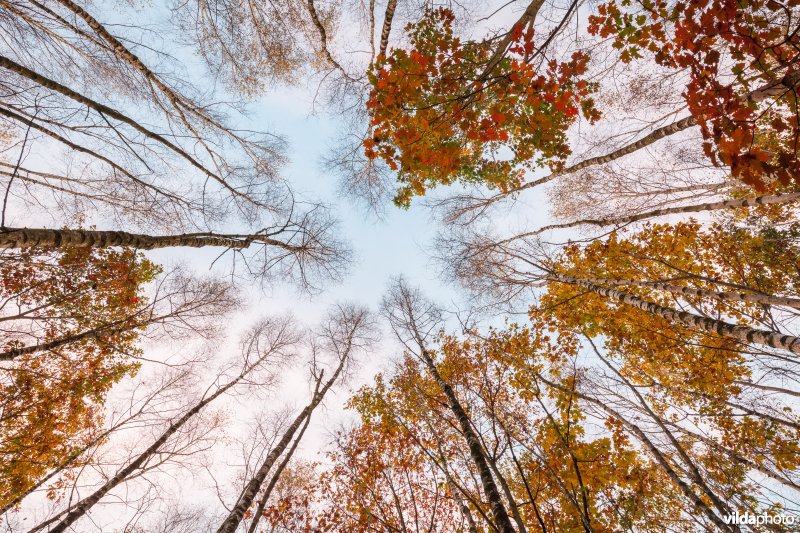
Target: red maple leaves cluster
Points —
{"points": [[742, 58], [445, 111]]}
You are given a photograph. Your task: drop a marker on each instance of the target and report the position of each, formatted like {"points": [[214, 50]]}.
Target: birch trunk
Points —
{"points": [[647, 140], [276, 476], [180, 102], [527, 18], [465, 512], [659, 133], [709, 206], [52, 238], [475, 449], [677, 290], [84, 505], [236, 515], [323, 35], [693, 470], [28, 122], [387, 26], [741, 333], [104, 331], [654, 451], [57, 470]]}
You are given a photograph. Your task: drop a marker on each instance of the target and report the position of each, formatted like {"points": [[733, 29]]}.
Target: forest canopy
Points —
{"points": [[400, 266]]}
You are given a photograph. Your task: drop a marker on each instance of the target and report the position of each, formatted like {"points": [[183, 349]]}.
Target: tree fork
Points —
{"points": [[528, 18], [236, 514]]}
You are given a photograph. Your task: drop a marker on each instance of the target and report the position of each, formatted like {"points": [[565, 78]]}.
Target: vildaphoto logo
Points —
{"points": [[748, 518]]}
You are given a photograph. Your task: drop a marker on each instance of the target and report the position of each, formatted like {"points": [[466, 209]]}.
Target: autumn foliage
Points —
{"points": [[594, 415], [683, 368], [609, 370], [52, 398], [437, 117], [742, 58], [404, 465]]}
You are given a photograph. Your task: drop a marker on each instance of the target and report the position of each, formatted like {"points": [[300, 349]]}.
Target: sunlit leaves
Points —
{"points": [[678, 367]]}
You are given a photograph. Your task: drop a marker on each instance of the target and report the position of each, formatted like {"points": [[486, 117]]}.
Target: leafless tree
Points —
{"points": [[347, 331], [68, 82], [267, 346]]}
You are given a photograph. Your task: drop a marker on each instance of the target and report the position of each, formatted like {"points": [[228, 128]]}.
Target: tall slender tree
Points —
{"points": [[271, 342], [348, 329]]}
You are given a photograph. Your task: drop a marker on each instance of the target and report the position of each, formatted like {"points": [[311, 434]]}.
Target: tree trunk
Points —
{"points": [[57, 470], [323, 35], [693, 470], [677, 290], [749, 463], [254, 485], [787, 83], [66, 463], [98, 333], [84, 505], [441, 464], [28, 121], [510, 497], [276, 476], [654, 451], [741, 333], [387, 26], [465, 512], [528, 18], [769, 388], [122, 51], [528, 490], [475, 449], [52, 238], [710, 206], [758, 95], [647, 140]]}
